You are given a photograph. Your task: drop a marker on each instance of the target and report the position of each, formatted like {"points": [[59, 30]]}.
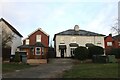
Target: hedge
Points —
{"points": [[81, 53], [95, 50]]}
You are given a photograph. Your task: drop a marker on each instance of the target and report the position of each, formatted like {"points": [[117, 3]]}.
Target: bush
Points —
{"points": [[95, 50], [116, 52], [17, 57], [81, 53]]}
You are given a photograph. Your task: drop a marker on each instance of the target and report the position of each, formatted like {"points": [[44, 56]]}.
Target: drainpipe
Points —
{"points": [[94, 39]]}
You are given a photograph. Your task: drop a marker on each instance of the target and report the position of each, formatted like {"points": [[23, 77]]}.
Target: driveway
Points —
{"points": [[53, 69]]}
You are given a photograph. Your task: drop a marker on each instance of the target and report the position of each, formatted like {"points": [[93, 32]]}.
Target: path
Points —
{"points": [[51, 70]]}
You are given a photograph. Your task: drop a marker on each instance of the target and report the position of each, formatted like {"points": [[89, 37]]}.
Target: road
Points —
{"points": [[53, 69]]}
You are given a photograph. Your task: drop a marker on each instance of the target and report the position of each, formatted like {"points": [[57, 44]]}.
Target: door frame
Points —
{"points": [[62, 53]]}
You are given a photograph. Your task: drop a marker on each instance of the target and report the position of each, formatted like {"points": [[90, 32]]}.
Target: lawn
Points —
{"points": [[92, 70], [11, 67]]}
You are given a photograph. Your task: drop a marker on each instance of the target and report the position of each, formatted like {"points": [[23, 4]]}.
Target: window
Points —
{"points": [[38, 50], [118, 43], [32, 51], [42, 51], [38, 38], [27, 41], [72, 51], [109, 43]]}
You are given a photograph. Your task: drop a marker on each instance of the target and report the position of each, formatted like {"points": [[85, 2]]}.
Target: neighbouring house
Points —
{"points": [[116, 41], [16, 41], [65, 42], [36, 45], [111, 42]]}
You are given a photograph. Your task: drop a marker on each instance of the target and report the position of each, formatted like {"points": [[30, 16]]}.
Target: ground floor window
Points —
{"points": [[42, 51], [72, 51], [32, 51], [37, 50]]}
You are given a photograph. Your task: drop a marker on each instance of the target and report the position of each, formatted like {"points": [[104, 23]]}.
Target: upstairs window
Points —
{"points": [[27, 41], [38, 38], [118, 43], [109, 43]]}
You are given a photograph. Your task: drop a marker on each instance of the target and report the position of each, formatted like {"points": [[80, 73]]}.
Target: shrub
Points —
{"points": [[95, 50], [81, 53], [17, 57], [116, 52]]}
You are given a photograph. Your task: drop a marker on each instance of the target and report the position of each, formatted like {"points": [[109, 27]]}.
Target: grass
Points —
{"points": [[11, 67], [91, 70]]}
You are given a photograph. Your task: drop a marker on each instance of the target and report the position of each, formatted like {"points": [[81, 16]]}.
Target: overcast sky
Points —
{"points": [[54, 16]]}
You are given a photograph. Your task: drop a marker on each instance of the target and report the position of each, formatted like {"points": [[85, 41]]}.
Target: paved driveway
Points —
{"points": [[51, 70]]}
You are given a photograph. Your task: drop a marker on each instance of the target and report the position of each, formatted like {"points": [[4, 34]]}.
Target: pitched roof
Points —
{"points": [[39, 30], [78, 33], [11, 27], [37, 44], [116, 37]]}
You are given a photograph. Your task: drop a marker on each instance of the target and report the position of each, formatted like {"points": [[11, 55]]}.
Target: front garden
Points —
{"points": [[92, 70], [92, 63], [11, 67]]}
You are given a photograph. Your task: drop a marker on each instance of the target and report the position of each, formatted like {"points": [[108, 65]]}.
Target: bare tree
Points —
{"points": [[6, 38], [116, 27]]}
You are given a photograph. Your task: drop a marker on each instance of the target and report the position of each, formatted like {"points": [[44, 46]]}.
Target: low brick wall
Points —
{"points": [[37, 61]]}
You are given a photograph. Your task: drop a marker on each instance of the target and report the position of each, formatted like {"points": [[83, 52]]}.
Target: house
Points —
{"points": [[111, 42], [16, 40], [65, 42], [36, 45], [116, 41]]}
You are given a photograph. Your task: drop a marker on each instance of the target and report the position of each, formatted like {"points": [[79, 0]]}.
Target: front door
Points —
{"points": [[62, 53]]}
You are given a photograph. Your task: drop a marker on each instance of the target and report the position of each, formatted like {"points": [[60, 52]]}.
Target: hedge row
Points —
{"points": [[83, 53], [116, 52]]}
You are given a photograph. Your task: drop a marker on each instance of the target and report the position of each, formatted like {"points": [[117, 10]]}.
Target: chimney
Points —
{"points": [[76, 28], [110, 35]]}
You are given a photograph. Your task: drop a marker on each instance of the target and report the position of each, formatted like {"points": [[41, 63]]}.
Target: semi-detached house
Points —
{"points": [[65, 42]]}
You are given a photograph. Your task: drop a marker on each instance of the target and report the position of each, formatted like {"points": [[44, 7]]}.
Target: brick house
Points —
{"points": [[111, 42], [108, 40], [36, 45], [116, 41]]}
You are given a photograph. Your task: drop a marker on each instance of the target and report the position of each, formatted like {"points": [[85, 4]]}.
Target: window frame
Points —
{"points": [[27, 41], [38, 38], [36, 50], [109, 44]]}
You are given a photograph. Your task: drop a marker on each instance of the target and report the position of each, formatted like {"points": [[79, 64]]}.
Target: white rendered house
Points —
{"points": [[17, 39], [65, 42]]}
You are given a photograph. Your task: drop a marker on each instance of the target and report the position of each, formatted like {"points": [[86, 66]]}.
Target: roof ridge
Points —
{"points": [[11, 27]]}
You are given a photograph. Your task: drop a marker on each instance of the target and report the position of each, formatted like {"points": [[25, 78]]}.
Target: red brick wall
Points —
{"points": [[44, 38], [108, 39], [116, 43]]}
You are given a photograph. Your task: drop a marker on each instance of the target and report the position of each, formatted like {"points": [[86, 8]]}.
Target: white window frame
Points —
{"points": [[38, 38], [109, 44], [42, 53], [71, 50], [118, 43], [36, 51], [27, 42]]}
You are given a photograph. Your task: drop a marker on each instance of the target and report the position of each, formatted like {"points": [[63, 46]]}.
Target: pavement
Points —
{"points": [[53, 69]]}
